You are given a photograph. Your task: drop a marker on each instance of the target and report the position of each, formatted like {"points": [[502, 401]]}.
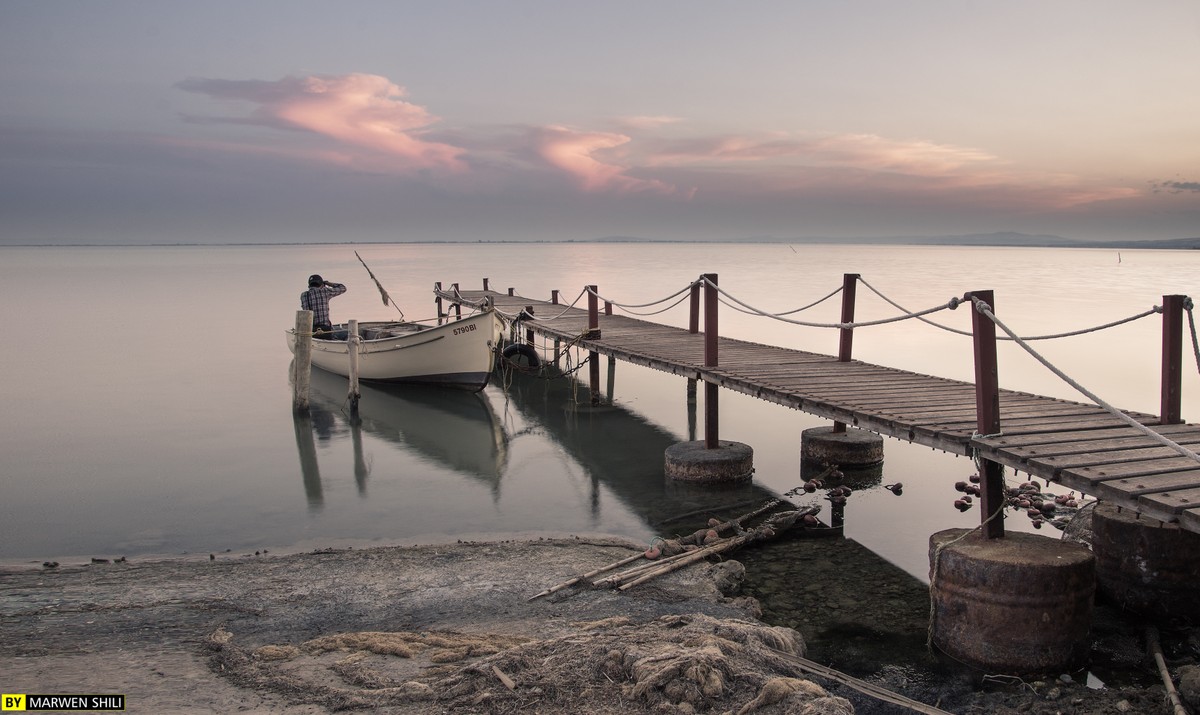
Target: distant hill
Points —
{"points": [[1002, 238]]}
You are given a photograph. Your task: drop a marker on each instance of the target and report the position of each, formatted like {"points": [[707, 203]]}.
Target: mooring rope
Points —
{"points": [[1083, 331], [986, 310]]}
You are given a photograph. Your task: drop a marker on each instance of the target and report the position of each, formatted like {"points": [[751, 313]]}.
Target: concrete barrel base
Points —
{"points": [[1145, 565], [728, 463], [852, 448], [1018, 605]]}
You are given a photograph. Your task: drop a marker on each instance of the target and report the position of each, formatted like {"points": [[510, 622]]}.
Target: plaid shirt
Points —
{"points": [[317, 300]]}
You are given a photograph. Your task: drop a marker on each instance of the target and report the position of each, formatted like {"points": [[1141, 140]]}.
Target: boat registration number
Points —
{"points": [[464, 329]]}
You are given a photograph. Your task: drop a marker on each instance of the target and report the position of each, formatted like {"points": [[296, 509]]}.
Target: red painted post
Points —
{"points": [[846, 342], [711, 437], [607, 308], [987, 412], [593, 333], [593, 312], [1172, 360], [694, 316], [554, 297]]}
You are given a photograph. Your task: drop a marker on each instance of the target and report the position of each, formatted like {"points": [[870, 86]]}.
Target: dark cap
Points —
{"points": [[315, 280]]}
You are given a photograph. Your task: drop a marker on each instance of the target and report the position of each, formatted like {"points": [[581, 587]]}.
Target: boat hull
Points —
{"points": [[457, 354]]}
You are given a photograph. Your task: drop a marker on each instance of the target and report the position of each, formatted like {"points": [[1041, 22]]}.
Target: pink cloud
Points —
{"points": [[357, 110], [574, 153]]}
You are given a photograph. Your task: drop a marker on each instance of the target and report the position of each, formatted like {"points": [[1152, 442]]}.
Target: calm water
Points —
{"points": [[147, 408]]}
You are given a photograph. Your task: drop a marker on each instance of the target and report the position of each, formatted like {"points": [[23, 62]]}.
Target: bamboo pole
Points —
{"points": [[302, 361], [571, 582]]}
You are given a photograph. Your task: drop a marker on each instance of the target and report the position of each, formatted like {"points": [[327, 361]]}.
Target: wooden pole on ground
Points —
{"points": [[846, 341], [352, 345], [987, 412], [1172, 360], [302, 360]]}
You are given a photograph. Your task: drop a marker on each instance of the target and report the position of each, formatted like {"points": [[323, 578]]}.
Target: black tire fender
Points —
{"points": [[521, 353]]}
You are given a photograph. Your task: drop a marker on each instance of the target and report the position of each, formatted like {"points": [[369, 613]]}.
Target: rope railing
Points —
{"points": [[950, 305], [986, 310], [1083, 331], [787, 312]]}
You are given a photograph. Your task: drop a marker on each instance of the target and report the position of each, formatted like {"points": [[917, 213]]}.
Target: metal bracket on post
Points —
{"points": [[1170, 412], [987, 412]]}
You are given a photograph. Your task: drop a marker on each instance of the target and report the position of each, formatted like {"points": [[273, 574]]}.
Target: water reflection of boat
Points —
{"points": [[455, 429], [622, 451]]}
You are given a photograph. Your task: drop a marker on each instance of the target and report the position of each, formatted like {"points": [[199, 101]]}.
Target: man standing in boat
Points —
{"points": [[316, 299]]}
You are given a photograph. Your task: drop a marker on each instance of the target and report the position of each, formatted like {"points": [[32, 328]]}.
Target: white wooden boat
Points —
{"points": [[459, 353]]}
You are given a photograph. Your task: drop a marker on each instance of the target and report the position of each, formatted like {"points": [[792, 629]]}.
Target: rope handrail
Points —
{"points": [[679, 300], [986, 310], [1069, 334], [685, 289], [789, 312], [950, 305]]}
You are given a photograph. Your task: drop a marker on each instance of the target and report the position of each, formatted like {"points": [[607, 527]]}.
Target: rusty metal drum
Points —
{"points": [[1017, 605], [1145, 565]]}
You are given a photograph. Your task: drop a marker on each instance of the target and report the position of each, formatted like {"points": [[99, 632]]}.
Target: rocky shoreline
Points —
{"points": [[450, 628]]}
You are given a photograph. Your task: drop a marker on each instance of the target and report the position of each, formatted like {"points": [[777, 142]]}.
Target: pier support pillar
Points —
{"points": [[727, 463], [848, 448], [1018, 605], [1145, 565]]}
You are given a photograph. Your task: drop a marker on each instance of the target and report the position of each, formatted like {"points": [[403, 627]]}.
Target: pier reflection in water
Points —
{"points": [[621, 451]]}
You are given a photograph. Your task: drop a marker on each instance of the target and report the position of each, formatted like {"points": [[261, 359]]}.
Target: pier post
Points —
{"points": [[302, 361], [987, 412], [593, 333], [437, 301], [353, 342], [529, 331], [711, 440], [457, 305], [554, 297], [846, 338], [485, 283], [1172, 360], [694, 314]]}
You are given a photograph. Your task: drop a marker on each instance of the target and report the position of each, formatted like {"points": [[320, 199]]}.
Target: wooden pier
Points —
{"points": [[1080, 446]]}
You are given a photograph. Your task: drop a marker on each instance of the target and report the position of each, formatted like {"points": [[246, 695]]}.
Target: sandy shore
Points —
{"points": [[445, 628]]}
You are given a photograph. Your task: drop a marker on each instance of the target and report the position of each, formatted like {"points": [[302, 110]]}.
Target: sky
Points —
{"points": [[141, 121]]}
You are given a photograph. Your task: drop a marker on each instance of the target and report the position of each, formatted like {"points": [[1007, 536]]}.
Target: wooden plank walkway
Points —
{"points": [[1080, 446]]}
